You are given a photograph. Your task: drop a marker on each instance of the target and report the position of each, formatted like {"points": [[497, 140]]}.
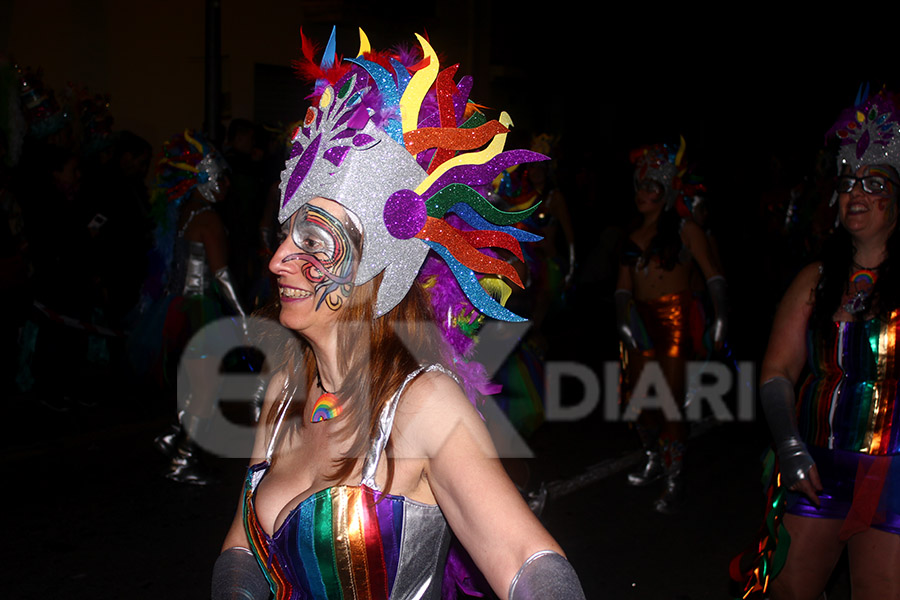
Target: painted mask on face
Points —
{"points": [[329, 253]]}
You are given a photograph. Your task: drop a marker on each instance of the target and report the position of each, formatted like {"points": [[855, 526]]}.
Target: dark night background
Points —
{"points": [[751, 88]]}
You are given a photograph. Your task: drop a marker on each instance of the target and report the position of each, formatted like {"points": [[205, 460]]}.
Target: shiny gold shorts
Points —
{"points": [[666, 321]]}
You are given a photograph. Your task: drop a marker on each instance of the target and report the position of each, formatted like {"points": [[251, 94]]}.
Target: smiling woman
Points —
{"points": [[357, 492], [837, 441]]}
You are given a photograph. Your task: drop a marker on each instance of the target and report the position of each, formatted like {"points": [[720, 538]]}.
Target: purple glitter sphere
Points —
{"points": [[405, 214]]}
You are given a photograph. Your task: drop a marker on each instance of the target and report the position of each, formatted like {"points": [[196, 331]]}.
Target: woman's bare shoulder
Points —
{"points": [[804, 285], [435, 407], [436, 390]]}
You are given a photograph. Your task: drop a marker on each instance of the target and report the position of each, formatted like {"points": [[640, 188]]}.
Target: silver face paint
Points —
{"points": [[215, 168]]}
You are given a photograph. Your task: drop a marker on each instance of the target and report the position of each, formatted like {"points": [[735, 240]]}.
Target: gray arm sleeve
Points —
{"points": [[237, 576], [228, 291], [716, 286], [623, 320], [226, 288], [777, 398], [546, 576]]}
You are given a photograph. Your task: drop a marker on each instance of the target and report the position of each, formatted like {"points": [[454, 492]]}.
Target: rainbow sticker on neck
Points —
{"points": [[326, 407], [864, 276]]}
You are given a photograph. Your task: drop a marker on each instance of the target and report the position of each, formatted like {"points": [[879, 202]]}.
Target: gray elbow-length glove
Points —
{"points": [[717, 293], [777, 398], [546, 575], [623, 319], [228, 291], [237, 576]]}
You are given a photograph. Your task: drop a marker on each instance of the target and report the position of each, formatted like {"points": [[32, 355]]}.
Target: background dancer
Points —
{"points": [[653, 304], [191, 260]]}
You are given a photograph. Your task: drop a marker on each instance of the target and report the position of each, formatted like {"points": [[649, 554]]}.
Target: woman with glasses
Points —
{"points": [[837, 437]]}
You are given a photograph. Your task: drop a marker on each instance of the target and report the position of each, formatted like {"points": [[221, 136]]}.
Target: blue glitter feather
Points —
{"points": [[403, 75], [480, 299], [389, 93]]}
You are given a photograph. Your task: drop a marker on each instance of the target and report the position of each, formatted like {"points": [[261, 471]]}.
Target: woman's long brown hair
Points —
{"points": [[375, 355]]}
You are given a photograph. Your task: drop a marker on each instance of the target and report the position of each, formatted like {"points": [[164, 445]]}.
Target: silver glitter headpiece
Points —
{"points": [[210, 172], [659, 163], [868, 132], [388, 141]]}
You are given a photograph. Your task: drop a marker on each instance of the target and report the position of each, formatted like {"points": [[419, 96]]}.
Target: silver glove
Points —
{"points": [[228, 291], [623, 319], [546, 576], [237, 576], [777, 398], [716, 286]]}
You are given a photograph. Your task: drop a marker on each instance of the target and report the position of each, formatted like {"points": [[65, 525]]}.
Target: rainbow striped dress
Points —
{"points": [[351, 542], [850, 399], [848, 414]]}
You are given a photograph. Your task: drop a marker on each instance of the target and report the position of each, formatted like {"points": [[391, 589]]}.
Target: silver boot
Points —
{"points": [[186, 467], [650, 471], [672, 498], [167, 442]]}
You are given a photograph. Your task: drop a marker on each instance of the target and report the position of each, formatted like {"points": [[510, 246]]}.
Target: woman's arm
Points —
{"points": [[212, 233], [695, 241], [481, 504], [236, 575], [625, 316], [781, 367], [236, 535]]}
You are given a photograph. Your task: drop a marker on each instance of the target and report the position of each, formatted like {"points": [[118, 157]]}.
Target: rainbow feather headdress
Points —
{"points": [[189, 161], [397, 143]]}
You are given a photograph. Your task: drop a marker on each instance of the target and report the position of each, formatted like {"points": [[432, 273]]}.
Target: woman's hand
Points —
{"points": [[810, 486], [780, 370]]}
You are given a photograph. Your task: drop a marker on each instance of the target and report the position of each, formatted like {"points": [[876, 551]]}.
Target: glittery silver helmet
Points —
{"points": [[395, 141], [868, 132], [210, 172], [662, 164]]}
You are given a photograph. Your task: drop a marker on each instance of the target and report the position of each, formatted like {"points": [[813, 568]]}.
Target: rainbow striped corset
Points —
{"points": [[849, 401], [350, 542]]}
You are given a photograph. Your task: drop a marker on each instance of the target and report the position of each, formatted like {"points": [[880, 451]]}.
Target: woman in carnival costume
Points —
{"points": [[836, 441], [191, 260], [653, 307], [354, 493]]}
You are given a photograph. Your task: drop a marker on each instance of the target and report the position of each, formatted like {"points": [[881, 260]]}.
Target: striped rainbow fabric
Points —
{"points": [[850, 399], [342, 543]]}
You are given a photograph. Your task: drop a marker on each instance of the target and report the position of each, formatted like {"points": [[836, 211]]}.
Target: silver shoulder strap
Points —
{"points": [[386, 423]]}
